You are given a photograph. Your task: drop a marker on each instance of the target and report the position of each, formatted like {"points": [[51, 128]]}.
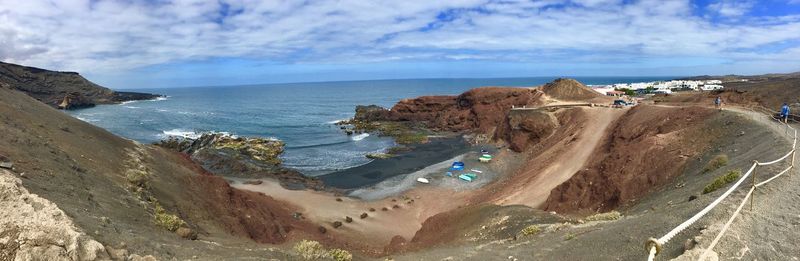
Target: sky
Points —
{"points": [[162, 43]]}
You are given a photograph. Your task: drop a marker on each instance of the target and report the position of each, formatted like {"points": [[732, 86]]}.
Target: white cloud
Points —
{"points": [[114, 36], [731, 8]]}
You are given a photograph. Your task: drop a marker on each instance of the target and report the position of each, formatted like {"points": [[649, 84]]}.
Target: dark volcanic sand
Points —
{"points": [[419, 157]]}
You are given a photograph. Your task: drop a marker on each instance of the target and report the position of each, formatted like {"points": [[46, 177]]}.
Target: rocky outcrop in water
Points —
{"points": [[241, 157], [63, 90]]}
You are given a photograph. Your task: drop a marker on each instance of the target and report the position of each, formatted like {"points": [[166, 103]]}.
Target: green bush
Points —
{"points": [[531, 230], [168, 221], [723, 180], [411, 138], [379, 155], [340, 255], [715, 163], [608, 216], [310, 250]]}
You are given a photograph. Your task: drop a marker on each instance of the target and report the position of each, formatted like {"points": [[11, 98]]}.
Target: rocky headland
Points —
{"points": [[484, 114], [241, 157], [63, 90]]}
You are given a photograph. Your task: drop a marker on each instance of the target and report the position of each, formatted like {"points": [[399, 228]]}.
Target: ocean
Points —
{"points": [[300, 114]]}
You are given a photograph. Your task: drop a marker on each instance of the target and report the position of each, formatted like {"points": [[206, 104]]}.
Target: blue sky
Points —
{"points": [[142, 44]]}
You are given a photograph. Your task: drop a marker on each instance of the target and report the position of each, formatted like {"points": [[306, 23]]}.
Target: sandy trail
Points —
{"points": [[564, 163], [380, 226]]}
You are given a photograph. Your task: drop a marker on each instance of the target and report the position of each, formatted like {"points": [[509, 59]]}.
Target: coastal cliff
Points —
{"points": [[484, 112], [63, 90]]}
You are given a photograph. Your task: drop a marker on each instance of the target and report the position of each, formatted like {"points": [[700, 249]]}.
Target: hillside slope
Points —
{"points": [[65, 90], [123, 193]]}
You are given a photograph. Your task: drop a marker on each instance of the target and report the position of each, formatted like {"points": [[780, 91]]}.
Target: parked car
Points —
{"points": [[620, 103]]}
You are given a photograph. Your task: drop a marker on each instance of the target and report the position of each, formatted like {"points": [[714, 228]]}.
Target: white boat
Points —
{"points": [[423, 180], [476, 171]]}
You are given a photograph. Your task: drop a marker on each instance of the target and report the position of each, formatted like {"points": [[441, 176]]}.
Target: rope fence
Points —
{"points": [[654, 245]]}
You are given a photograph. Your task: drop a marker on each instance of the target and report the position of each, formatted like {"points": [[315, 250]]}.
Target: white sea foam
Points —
{"points": [[337, 121], [132, 107], [197, 134], [360, 137], [87, 119], [181, 133], [160, 98], [162, 110], [127, 102]]}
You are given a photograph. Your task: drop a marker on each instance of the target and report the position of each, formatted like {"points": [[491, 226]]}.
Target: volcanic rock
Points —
{"points": [[227, 155]]}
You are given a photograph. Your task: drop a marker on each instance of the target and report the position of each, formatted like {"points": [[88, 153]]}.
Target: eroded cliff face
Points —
{"points": [[645, 149], [480, 110], [524, 128]]}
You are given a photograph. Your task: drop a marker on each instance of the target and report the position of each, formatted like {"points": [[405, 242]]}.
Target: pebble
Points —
{"points": [[6, 165]]}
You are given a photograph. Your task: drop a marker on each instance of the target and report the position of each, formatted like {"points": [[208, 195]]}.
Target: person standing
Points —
{"points": [[718, 102], [785, 113]]}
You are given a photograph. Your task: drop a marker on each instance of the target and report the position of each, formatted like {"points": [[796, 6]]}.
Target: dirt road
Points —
{"points": [[562, 161]]}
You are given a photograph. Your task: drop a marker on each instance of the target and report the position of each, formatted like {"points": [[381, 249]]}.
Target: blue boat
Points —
{"points": [[458, 165]]}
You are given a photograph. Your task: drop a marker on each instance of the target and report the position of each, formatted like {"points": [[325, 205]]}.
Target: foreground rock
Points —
{"points": [[33, 228], [241, 157], [64, 90]]}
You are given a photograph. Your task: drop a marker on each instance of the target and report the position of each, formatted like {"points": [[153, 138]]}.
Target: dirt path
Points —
{"points": [[769, 230], [565, 163]]}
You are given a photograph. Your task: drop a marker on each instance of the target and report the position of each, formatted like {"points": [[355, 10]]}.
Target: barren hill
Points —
{"points": [[569, 90], [66, 90]]}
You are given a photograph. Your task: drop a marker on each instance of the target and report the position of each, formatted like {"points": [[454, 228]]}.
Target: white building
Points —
{"points": [[711, 87]]}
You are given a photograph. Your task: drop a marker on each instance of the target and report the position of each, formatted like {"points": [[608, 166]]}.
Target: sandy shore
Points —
{"points": [[401, 215]]}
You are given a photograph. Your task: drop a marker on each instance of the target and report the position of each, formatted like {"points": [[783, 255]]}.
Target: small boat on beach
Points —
{"points": [[458, 165], [423, 180], [468, 177]]}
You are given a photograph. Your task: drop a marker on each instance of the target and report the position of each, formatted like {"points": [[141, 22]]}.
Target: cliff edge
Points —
{"points": [[62, 90]]}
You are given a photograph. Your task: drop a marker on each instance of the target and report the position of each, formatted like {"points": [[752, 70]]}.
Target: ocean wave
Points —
{"points": [[360, 137], [86, 119], [127, 102], [160, 98], [317, 145], [132, 107]]}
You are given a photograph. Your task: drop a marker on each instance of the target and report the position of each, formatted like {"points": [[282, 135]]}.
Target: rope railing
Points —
{"points": [[654, 245]]}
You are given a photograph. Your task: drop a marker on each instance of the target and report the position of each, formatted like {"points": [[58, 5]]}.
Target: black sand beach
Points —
{"points": [[419, 157]]}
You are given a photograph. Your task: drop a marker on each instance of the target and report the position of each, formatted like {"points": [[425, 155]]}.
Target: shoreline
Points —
{"points": [[419, 157]]}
